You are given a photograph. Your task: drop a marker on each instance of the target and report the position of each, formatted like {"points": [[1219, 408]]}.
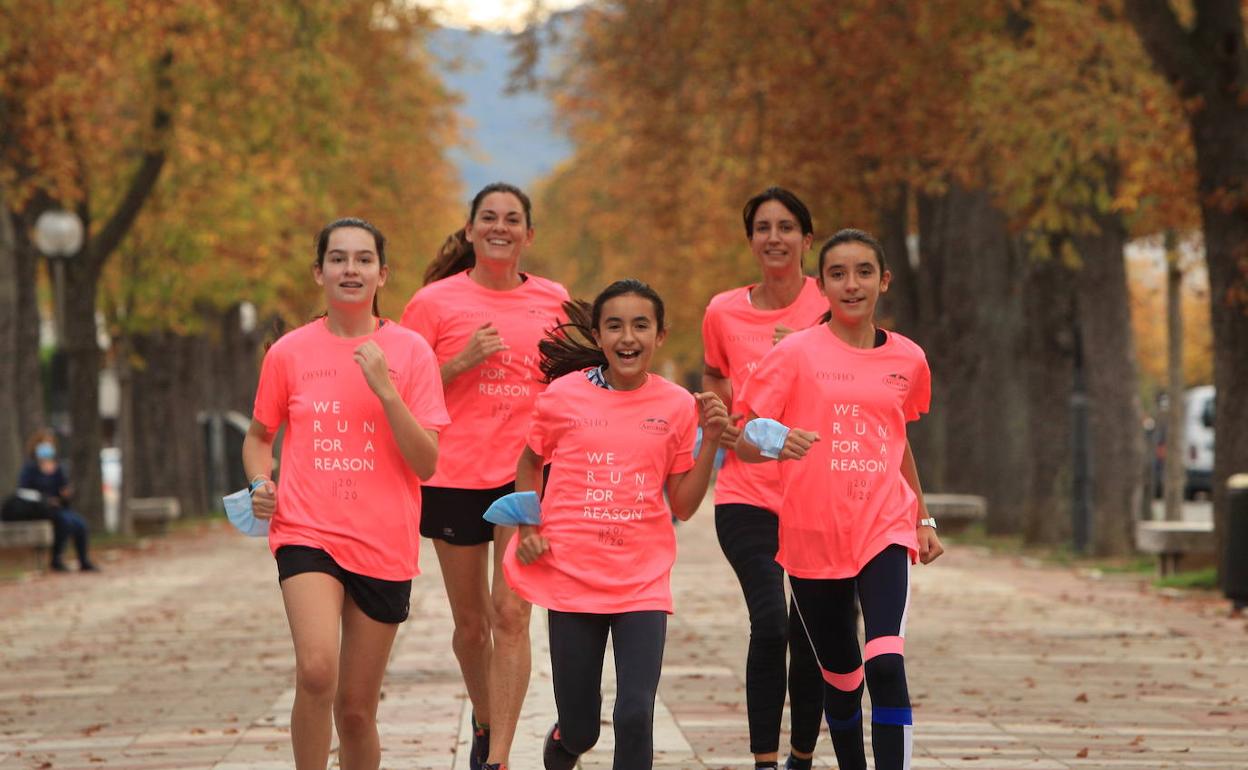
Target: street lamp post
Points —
{"points": [[58, 235]]}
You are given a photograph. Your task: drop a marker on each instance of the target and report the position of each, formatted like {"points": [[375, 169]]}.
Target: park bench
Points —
{"points": [[954, 513], [33, 537], [1170, 541], [151, 515]]}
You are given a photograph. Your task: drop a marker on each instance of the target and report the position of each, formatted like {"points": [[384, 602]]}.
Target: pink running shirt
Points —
{"points": [[344, 486], [612, 544], [735, 336], [846, 500], [490, 404]]}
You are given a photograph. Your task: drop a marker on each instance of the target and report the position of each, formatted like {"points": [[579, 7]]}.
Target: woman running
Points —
{"points": [[484, 317], [362, 405], [616, 437], [740, 327], [852, 518]]}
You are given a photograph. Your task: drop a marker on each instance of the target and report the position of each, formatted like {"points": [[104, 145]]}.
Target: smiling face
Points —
{"points": [[351, 271], [851, 279], [500, 229], [628, 334], [777, 239]]}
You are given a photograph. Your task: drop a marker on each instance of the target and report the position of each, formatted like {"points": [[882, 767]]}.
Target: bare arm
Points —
{"points": [[485, 342], [258, 464], [796, 445], [531, 545], [686, 490], [929, 542], [418, 446], [715, 381]]}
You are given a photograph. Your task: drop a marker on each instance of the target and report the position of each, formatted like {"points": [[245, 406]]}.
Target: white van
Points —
{"points": [[1198, 438]]}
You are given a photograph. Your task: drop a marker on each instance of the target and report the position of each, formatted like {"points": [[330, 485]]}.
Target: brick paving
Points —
{"points": [[178, 656]]}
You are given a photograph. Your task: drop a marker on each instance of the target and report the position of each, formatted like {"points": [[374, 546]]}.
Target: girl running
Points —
{"points": [[484, 317], [740, 327], [616, 436], [852, 517], [362, 405]]}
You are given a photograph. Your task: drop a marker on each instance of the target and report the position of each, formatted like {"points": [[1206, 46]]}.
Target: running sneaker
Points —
{"points": [[494, 766], [554, 755], [480, 750]]}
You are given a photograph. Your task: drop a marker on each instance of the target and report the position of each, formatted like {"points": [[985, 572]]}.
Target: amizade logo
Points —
{"points": [[656, 425], [897, 381]]}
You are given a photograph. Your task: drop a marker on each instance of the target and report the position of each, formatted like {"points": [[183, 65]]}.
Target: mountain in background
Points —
{"points": [[511, 137]]}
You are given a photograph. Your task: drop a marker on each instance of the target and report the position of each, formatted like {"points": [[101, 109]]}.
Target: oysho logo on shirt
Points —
{"points": [[897, 381], [835, 376], [314, 374], [587, 422], [656, 425]]}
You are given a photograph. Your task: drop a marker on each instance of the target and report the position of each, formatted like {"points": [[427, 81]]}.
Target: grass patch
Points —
{"points": [[1205, 579], [1058, 554]]}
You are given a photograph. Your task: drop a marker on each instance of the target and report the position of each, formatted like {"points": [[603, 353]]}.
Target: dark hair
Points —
{"points": [[850, 235], [379, 241], [785, 198], [570, 347], [456, 253]]}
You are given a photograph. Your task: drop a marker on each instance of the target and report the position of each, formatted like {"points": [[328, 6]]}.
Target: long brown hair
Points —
{"points": [[456, 254]]}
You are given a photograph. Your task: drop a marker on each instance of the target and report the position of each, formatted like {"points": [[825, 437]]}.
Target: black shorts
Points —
{"points": [[454, 515], [385, 601]]}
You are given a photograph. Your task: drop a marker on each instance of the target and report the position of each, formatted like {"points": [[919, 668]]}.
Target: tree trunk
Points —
{"points": [[82, 351], [168, 448], [900, 306], [970, 306], [11, 439], [1176, 441], [1115, 420], [1207, 64], [1048, 363], [29, 393]]}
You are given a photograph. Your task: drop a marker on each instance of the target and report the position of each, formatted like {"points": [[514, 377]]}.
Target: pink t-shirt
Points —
{"points": [[343, 485], [612, 544], [735, 336], [490, 404], [846, 500]]}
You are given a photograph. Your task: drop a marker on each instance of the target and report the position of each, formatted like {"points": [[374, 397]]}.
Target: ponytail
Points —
{"points": [[570, 347], [455, 256]]}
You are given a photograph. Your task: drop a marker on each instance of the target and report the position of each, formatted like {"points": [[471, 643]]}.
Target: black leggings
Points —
{"points": [[827, 612], [578, 643], [748, 536]]}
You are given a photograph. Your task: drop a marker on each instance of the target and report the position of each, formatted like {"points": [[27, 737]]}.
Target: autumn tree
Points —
{"points": [[270, 118]]}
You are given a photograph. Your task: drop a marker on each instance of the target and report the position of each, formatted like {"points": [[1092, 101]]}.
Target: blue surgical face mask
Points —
{"points": [[45, 451]]}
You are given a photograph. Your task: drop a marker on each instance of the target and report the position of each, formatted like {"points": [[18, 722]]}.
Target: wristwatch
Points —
{"points": [[928, 522]]}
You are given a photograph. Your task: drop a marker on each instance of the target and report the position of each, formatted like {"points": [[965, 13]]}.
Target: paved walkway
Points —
{"points": [[178, 657]]}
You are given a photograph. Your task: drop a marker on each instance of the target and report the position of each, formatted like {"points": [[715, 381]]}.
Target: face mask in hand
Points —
{"points": [[238, 510], [515, 509]]}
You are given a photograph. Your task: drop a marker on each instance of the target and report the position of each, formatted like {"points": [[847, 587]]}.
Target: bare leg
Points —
{"points": [[365, 652], [314, 608], [509, 668], [465, 575]]}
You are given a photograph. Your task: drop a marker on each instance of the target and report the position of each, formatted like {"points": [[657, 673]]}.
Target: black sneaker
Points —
{"points": [[554, 755], [59, 566], [480, 749], [494, 766]]}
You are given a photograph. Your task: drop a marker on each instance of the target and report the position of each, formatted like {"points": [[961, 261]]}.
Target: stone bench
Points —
{"points": [[29, 536], [1173, 540], [954, 513], [151, 515]]}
